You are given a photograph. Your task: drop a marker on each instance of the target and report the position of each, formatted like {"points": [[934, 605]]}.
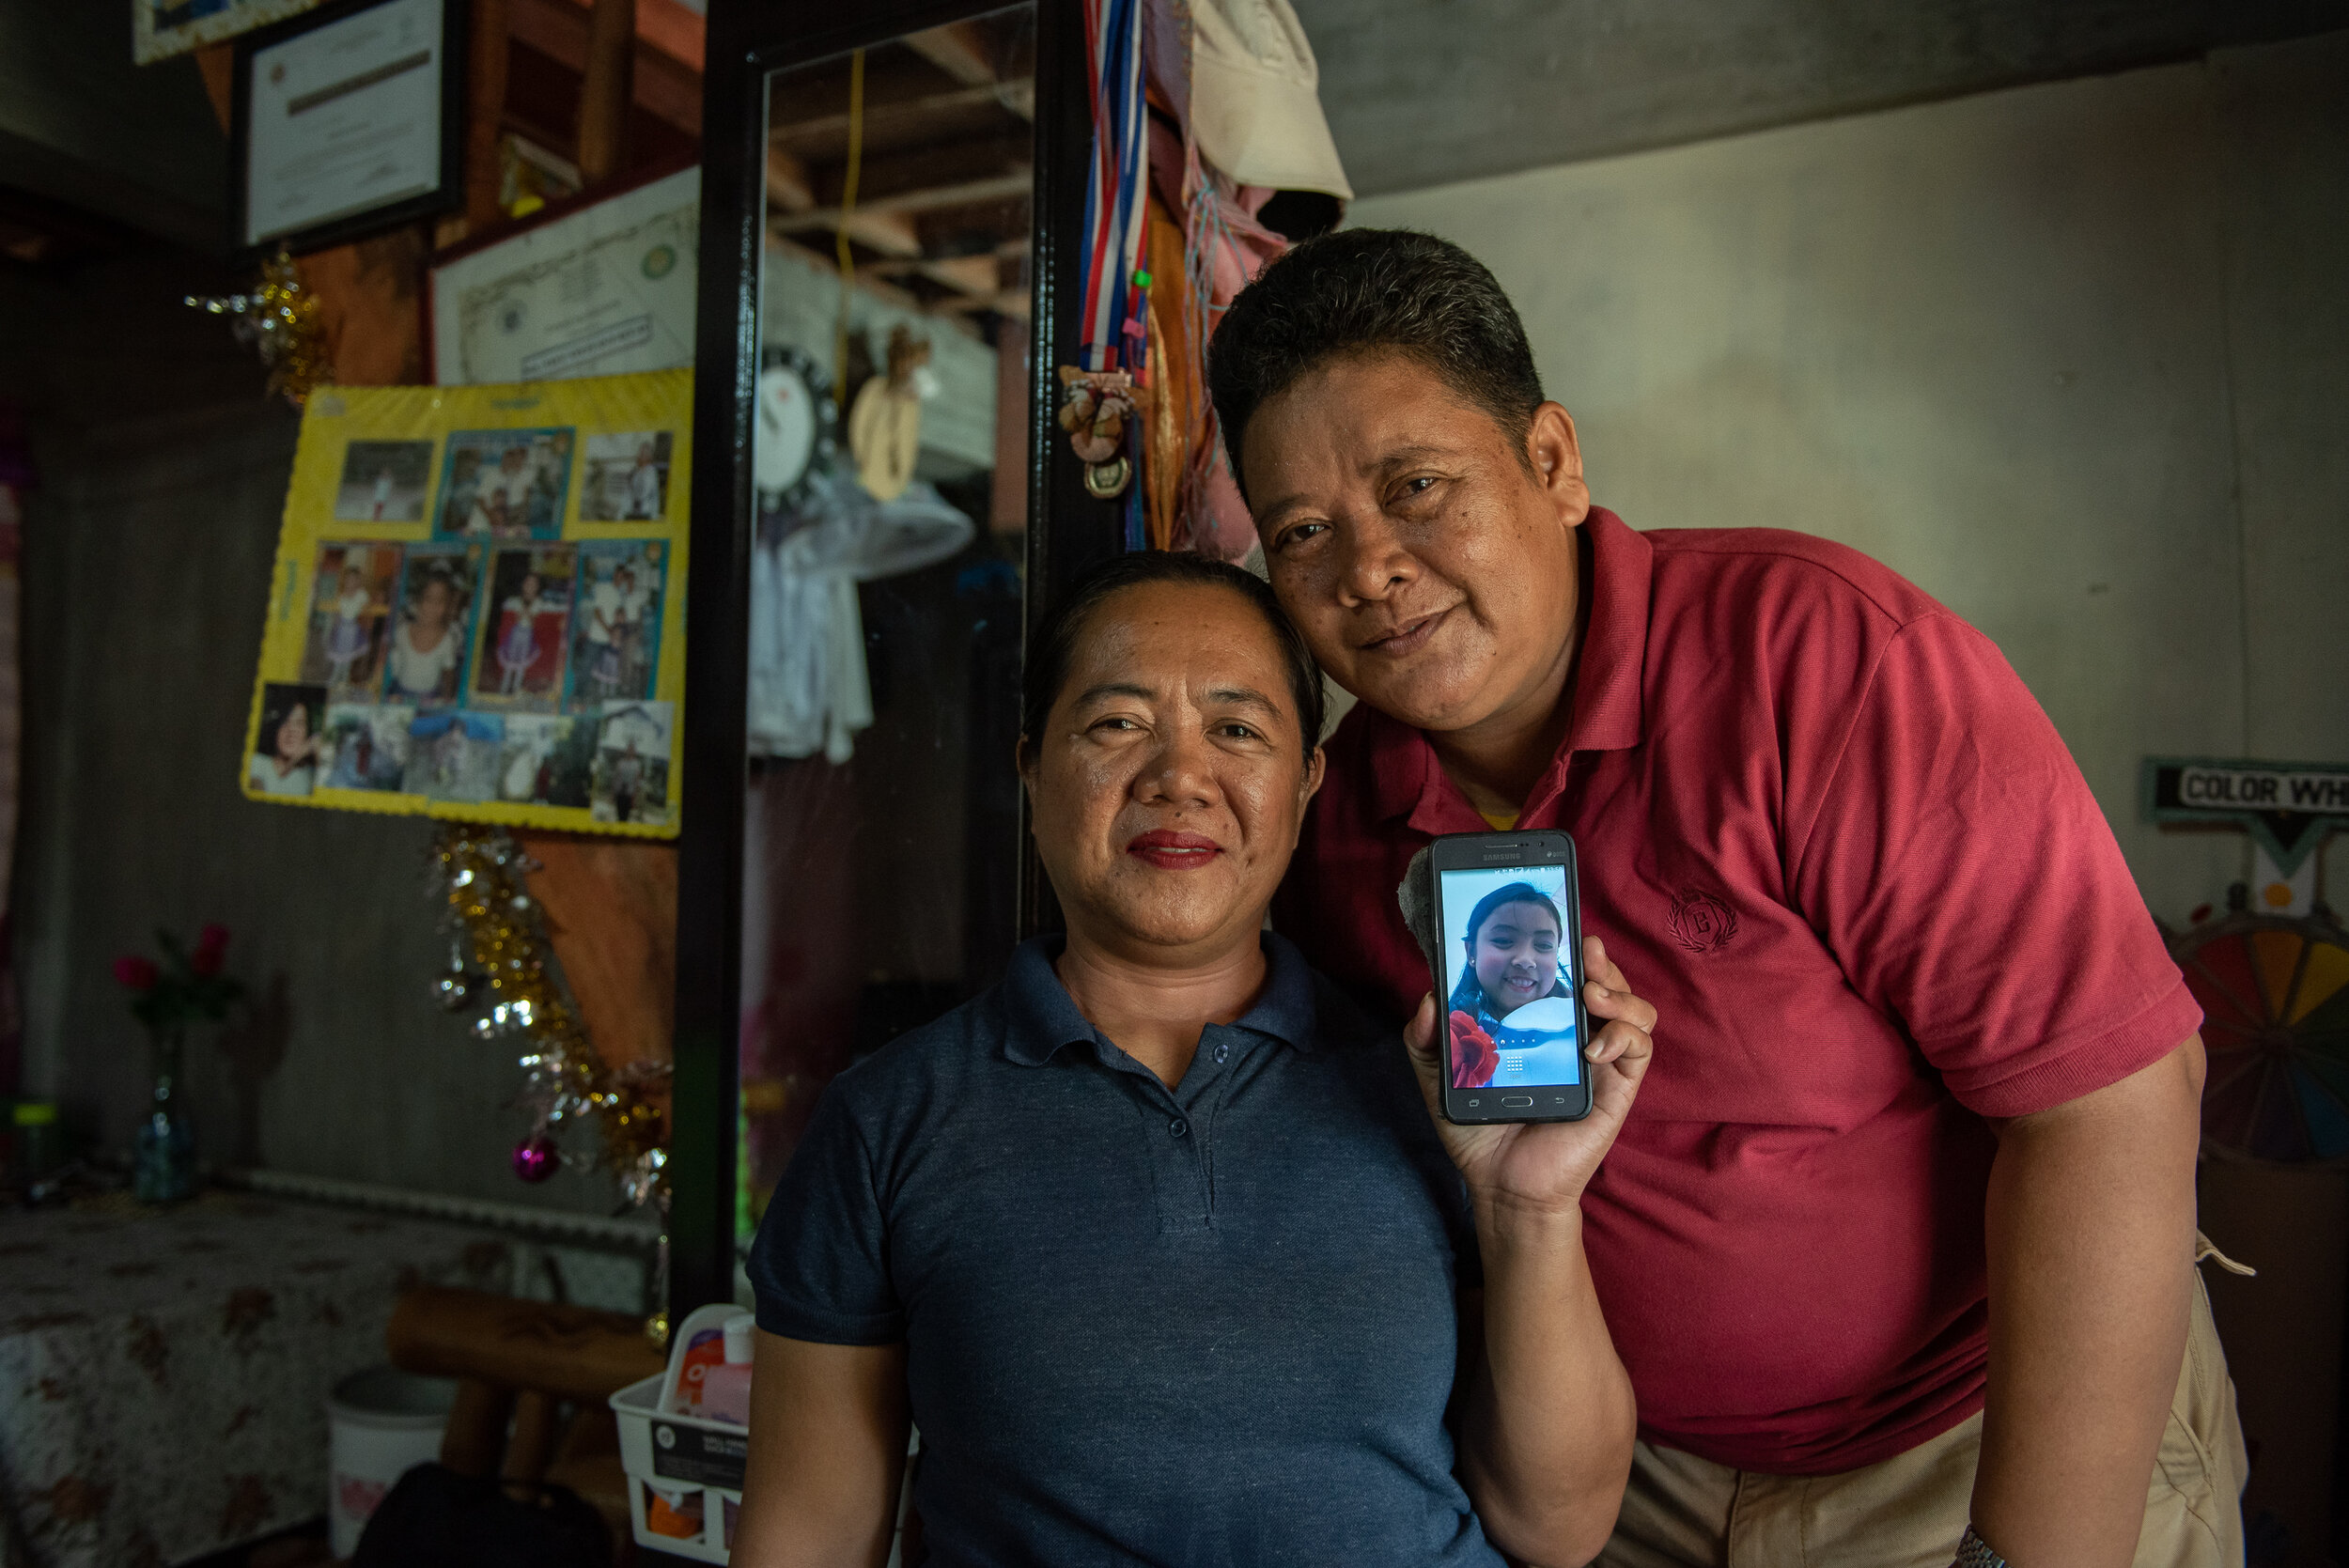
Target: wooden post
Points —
{"points": [[608, 91], [484, 110]]}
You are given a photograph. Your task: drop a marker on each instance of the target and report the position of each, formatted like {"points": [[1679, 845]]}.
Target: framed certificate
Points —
{"points": [[601, 286], [347, 121]]}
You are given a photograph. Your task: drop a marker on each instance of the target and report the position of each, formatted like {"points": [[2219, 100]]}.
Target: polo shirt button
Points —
{"points": [[1223, 1050], [1178, 1126]]}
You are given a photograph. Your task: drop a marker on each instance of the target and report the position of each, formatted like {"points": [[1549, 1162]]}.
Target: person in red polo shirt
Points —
{"points": [[1899, 1246]]}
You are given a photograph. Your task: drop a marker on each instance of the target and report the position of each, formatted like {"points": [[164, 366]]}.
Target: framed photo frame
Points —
{"points": [[162, 28], [347, 121]]}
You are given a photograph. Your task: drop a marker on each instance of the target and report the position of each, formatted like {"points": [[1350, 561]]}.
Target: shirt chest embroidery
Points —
{"points": [[1701, 922]]}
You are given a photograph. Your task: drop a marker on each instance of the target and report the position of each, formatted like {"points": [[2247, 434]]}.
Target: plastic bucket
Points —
{"points": [[379, 1423]]}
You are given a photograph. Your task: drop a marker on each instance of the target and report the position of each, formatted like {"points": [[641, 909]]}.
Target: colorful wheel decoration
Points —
{"points": [[2275, 996]]}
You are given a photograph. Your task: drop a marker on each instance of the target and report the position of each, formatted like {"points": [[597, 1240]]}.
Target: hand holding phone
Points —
{"points": [[1527, 1097], [1544, 1165]]}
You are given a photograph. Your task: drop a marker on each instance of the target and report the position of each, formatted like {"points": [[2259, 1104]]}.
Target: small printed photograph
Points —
{"points": [[454, 755], [626, 477], [631, 778], [285, 759], [384, 481], [350, 606], [425, 665], [525, 628], [548, 761], [365, 746], [615, 623], [504, 483]]}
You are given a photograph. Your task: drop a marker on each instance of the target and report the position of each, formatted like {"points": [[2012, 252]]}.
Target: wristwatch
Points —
{"points": [[1974, 1552]]}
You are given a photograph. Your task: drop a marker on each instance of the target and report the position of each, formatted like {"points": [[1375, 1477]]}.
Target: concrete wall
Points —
{"points": [[148, 552], [2075, 358], [1420, 93]]}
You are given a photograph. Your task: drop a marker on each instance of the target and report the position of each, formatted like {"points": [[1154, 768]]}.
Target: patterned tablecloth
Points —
{"points": [[164, 1373]]}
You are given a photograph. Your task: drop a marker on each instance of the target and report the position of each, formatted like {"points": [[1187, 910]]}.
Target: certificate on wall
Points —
{"points": [[477, 606], [345, 121], [594, 290]]}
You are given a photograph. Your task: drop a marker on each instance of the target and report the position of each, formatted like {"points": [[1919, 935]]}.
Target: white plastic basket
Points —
{"points": [[691, 1466], [694, 1468]]}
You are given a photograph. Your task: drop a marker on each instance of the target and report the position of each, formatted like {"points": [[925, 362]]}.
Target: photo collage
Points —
{"points": [[488, 659]]}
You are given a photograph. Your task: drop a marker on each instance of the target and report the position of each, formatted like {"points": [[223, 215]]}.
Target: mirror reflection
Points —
{"points": [[881, 851]]}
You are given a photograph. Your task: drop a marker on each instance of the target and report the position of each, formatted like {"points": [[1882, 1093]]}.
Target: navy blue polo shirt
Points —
{"points": [[1211, 1324]]}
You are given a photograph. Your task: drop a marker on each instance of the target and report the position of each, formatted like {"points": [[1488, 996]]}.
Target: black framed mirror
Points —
{"points": [[892, 199]]}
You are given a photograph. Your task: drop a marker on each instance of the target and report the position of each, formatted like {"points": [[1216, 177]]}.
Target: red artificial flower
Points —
{"points": [[211, 947], [136, 974], [1474, 1054]]}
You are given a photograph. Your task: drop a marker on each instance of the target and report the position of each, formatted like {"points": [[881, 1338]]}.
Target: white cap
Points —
{"points": [[1254, 97], [738, 1332]]}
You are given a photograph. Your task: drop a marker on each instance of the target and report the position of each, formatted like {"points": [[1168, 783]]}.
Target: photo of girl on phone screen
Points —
{"points": [[1510, 956]]}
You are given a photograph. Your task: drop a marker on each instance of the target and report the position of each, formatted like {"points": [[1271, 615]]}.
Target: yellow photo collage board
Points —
{"points": [[479, 606]]}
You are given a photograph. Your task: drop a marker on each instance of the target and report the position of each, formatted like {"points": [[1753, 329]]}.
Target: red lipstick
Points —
{"points": [[1172, 851]]}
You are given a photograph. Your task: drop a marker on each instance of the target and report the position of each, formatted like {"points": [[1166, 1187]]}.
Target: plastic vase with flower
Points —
{"points": [[186, 987]]}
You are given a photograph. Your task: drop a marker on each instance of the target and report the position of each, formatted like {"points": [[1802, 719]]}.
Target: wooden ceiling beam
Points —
{"points": [[790, 187], [1003, 301], [882, 180], [908, 204], [891, 234], [663, 86], [967, 52], [934, 116], [964, 274]]}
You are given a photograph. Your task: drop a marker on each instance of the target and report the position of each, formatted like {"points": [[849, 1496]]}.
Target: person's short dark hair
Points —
{"points": [[1054, 646], [1368, 290]]}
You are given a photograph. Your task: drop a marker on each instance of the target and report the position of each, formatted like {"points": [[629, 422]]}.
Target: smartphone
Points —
{"points": [[1510, 1011]]}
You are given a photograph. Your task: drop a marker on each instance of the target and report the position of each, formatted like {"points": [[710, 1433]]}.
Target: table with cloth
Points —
{"points": [[163, 1371]]}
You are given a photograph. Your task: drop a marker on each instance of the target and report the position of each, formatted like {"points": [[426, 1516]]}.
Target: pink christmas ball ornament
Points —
{"points": [[536, 1158]]}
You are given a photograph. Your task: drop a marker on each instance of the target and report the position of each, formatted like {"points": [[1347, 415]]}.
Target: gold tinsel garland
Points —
{"points": [[280, 318], [500, 964]]}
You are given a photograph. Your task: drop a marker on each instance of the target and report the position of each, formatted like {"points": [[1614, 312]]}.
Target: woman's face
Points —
{"points": [[432, 604], [293, 735], [1515, 954], [530, 585], [1170, 782], [354, 580]]}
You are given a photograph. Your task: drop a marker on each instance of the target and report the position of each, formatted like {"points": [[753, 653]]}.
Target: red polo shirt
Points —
{"points": [[1826, 830]]}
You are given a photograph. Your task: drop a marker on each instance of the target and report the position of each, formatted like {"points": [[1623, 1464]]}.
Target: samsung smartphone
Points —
{"points": [[1509, 1011]]}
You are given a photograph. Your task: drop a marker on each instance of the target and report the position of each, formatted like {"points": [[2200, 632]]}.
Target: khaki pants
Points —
{"points": [[1909, 1511]]}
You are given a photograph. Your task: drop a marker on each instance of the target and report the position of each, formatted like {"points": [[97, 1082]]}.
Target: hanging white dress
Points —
{"points": [[809, 691]]}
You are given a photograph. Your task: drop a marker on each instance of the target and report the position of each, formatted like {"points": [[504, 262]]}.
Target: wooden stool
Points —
{"points": [[517, 1363]]}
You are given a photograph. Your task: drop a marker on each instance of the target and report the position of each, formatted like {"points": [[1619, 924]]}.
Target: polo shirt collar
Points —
{"points": [[1042, 1017], [1608, 701]]}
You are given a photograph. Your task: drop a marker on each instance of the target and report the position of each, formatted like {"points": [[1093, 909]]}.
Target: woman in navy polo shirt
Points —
{"points": [[1158, 1241]]}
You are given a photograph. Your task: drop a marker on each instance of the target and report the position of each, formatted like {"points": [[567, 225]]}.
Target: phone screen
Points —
{"points": [[1511, 974]]}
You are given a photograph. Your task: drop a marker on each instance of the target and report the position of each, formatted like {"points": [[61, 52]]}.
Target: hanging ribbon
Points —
{"points": [[1115, 317]]}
